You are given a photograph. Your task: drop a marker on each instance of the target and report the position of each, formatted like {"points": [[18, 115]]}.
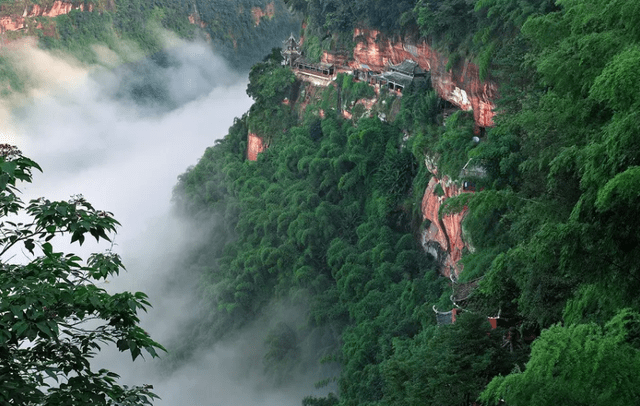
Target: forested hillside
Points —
{"points": [[114, 33], [327, 219], [327, 222]]}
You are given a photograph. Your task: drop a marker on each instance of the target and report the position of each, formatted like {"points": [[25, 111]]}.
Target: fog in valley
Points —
{"points": [[120, 135]]}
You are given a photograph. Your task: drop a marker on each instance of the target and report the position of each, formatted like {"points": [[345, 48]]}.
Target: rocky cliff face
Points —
{"points": [[460, 86], [255, 145], [443, 238], [259, 13], [13, 21]]}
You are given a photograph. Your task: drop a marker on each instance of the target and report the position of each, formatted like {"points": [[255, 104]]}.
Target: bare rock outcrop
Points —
{"points": [[461, 85], [15, 22], [443, 238], [255, 145], [258, 13]]}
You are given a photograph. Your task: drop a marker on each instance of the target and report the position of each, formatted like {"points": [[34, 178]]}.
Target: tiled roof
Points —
{"points": [[408, 67], [397, 77], [443, 318]]}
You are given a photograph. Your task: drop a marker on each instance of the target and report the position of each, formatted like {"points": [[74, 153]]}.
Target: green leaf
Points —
{"points": [[77, 236], [20, 327], [29, 245], [122, 345], [17, 311], [44, 328], [51, 373], [8, 167], [47, 248], [151, 351]]}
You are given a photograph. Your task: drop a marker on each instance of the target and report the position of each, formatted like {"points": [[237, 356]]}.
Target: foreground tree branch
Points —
{"points": [[44, 353]]}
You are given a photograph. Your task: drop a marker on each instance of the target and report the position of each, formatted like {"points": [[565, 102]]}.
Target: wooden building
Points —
{"points": [[320, 68], [290, 51], [398, 77], [292, 56]]}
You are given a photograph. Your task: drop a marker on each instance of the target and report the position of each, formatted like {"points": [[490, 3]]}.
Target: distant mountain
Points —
{"points": [[241, 31]]}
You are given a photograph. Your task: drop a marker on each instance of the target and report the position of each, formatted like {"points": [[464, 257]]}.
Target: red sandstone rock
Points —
{"points": [[257, 13], [460, 86], [194, 18], [335, 58], [58, 8], [255, 145], [446, 232], [15, 23], [9, 24]]}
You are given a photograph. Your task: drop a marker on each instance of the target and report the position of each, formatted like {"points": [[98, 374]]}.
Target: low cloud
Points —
{"points": [[121, 137]]}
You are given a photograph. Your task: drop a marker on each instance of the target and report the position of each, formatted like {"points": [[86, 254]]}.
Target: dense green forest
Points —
{"points": [[230, 26], [327, 218]]}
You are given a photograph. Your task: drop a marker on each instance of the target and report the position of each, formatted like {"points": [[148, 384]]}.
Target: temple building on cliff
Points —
{"points": [[324, 69], [292, 56], [398, 77], [290, 51]]}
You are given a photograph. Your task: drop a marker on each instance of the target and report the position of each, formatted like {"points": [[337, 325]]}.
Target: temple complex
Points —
{"points": [[397, 77]]}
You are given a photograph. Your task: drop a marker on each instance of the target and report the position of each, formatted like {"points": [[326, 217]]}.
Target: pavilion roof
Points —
{"points": [[407, 67]]}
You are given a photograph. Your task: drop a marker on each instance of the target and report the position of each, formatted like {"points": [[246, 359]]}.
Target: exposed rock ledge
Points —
{"points": [[255, 145], [18, 22], [258, 14], [443, 238], [460, 86]]}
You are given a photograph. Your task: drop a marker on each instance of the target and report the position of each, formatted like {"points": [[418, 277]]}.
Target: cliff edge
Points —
{"points": [[460, 85]]}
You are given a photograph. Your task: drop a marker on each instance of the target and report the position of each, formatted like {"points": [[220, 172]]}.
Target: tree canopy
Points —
{"points": [[53, 315], [328, 219]]}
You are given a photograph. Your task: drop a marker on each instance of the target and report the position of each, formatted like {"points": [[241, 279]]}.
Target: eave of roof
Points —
{"points": [[397, 77], [408, 67]]}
